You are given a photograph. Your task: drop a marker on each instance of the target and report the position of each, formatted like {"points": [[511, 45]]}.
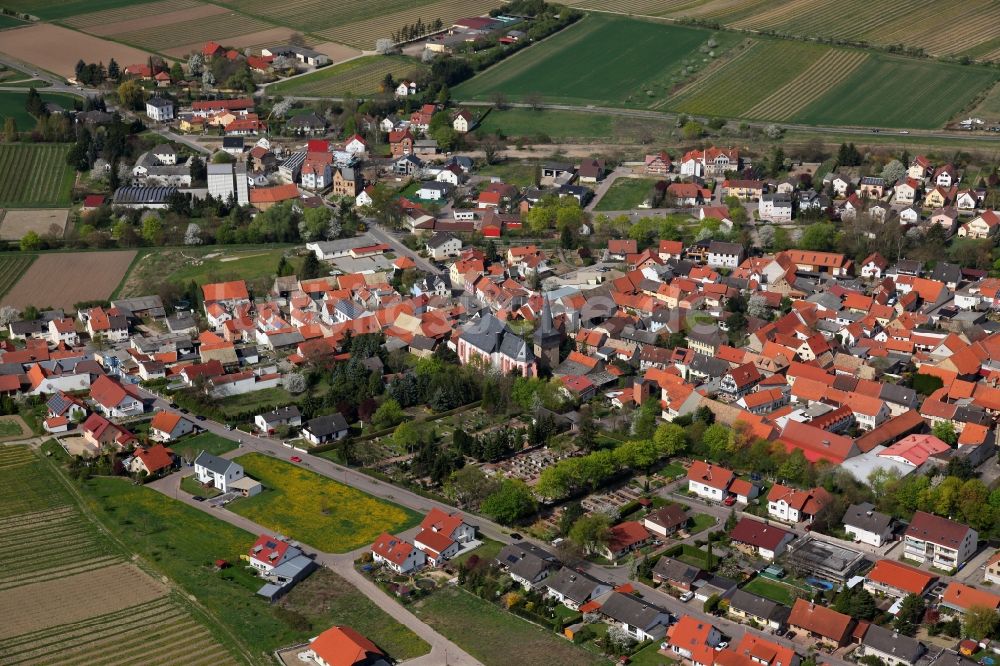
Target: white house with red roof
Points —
{"points": [[709, 481], [944, 543], [397, 554], [169, 426], [694, 639], [443, 535], [269, 552], [356, 145], [63, 331], [116, 400], [100, 433]]}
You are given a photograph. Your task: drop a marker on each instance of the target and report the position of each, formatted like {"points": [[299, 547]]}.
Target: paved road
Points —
{"points": [[442, 650], [384, 236]]}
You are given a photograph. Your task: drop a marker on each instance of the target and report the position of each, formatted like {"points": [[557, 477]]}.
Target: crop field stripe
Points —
{"points": [[637, 7], [727, 10], [703, 81], [128, 13], [58, 573], [743, 83], [176, 624], [222, 26], [32, 518], [360, 76], [828, 71]]}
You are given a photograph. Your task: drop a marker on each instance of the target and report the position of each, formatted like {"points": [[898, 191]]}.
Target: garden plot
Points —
{"points": [[42, 221]]}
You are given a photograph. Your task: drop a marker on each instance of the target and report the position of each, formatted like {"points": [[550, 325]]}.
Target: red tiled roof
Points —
{"points": [[900, 576], [343, 646]]}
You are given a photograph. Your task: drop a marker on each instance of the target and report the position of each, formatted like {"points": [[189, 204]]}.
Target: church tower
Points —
{"points": [[547, 339]]}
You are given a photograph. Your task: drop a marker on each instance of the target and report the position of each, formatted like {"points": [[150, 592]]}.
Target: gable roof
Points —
{"points": [[820, 620], [757, 534], [941, 531], [710, 475], [343, 646], [900, 576]]}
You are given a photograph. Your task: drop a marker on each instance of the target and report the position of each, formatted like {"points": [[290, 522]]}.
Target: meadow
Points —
{"points": [[626, 194], [183, 542], [586, 64], [35, 175], [489, 634], [362, 76], [315, 509], [51, 10], [12, 106]]}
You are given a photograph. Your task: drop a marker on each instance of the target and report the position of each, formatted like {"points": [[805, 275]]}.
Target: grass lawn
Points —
{"points": [[673, 470], [626, 194], [361, 76], [205, 441], [488, 552], [12, 106], [492, 635], [557, 124], [192, 486], [183, 542], [691, 555], [265, 399], [701, 522], [10, 22], [512, 172], [575, 66], [258, 264], [315, 509], [771, 589], [650, 656], [9, 428]]}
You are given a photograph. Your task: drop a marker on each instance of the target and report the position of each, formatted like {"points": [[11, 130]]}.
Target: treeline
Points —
{"points": [[416, 30], [94, 74]]}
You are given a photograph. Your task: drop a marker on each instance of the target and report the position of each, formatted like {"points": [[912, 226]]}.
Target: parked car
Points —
{"points": [[198, 498], [229, 426], [729, 501], [687, 596], [201, 417], [174, 405], [515, 536], [295, 459]]}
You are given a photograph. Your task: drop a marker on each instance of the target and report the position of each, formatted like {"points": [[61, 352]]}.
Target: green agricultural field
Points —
{"points": [[12, 105], [362, 76], [316, 509], [10, 22], [490, 634], [182, 542], [747, 79], [51, 10], [586, 64], [889, 91], [626, 194], [12, 267], [35, 175]]}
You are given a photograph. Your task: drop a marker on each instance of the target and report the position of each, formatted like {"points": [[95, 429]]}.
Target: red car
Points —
{"points": [[295, 459], [729, 501]]}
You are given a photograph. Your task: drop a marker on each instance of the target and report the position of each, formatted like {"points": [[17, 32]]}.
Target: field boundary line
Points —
{"points": [[784, 103], [703, 78]]}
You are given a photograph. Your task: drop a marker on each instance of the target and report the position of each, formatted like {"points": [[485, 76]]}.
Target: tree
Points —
{"points": [[980, 622], [207, 78], [384, 46], [311, 268], [130, 94], [591, 532], [945, 431], [910, 615], [315, 223], [152, 230], [10, 129], [388, 414], [406, 436], [33, 103], [717, 440], [30, 241], [692, 130], [820, 237], [294, 383], [587, 435], [893, 171], [196, 64], [114, 71], [510, 503], [644, 424], [670, 439]]}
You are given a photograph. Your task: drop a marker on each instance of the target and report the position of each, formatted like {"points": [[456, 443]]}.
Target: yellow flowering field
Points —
{"points": [[315, 509]]}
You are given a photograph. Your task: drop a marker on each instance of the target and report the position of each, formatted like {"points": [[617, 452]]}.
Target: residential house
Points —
{"points": [[666, 520], [751, 608], [400, 143], [943, 543], [793, 506], [526, 563], [624, 538], [895, 579], [63, 331], [867, 525], [709, 481], [639, 619], [961, 598], [574, 588], [169, 426], [462, 121], [760, 539], [115, 400], [725, 255], [694, 639], [710, 163], [323, 429], [658, 164], [151, 460], [821, 623], [270, 552], [889, 647], [397, 554], [269, 422], [443, 535], [443, 245], [677, 574], [982, 226], [343, 646], [775, 207], [160, 109], [217, 472], [992, 571]]}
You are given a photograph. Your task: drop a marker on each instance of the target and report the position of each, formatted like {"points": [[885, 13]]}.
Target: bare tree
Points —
{"points": [[491, 149], [296, 39], [534, 100], [499, 100]]}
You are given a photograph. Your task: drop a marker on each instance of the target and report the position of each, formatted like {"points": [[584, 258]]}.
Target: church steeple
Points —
{"points": [[547, 337]]}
